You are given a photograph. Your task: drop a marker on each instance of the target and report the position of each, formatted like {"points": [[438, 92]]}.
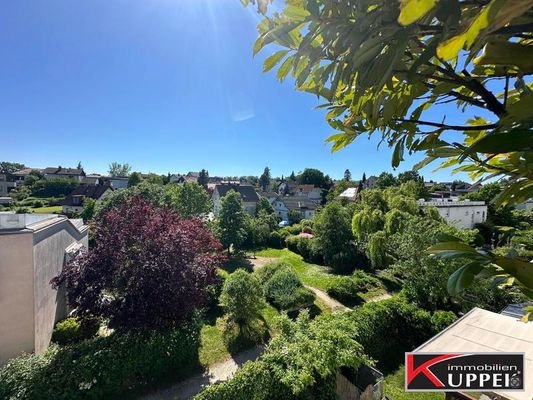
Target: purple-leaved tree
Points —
{"points": [[149, 268]]}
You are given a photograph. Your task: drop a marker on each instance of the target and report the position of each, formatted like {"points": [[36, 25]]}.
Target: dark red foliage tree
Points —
{"points": [[149, 268]]}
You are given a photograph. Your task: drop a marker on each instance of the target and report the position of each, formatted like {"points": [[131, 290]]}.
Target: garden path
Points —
{"points": [[218, 372]]}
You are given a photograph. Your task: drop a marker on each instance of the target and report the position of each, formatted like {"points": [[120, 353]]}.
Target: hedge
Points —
{"points": [[389, 328], [104, 367]]}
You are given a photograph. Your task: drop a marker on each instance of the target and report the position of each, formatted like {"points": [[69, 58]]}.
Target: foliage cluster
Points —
{"points": [[103, 367]]}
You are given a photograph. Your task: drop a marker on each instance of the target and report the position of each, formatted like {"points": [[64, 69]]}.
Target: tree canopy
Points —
{"points": [[117, 169], [381, 65], [149, 268]]}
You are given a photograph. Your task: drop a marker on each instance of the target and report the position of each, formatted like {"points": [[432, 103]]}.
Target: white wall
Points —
{"points": [[461, 214]]}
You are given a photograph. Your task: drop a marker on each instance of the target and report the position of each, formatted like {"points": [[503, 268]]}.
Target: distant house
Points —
{"points": [[284, 204], [294, 189], [462, 214], [118, 182], [74, 201], [370, 182], [60, 172], [92, 179], [349, 194], [5, 186], [482, 331], [270, 196], [21, 175], [33, 250], [248, 194], [177, 178]]}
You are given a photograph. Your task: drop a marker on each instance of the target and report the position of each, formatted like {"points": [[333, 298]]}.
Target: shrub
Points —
{"points": [[38, 204], [275, 240], [155, 264], [242, 297], [308, 248], [285, 291], [441, 319], [299, 363], [103, 367], [72, 330], [388, 328], [265, 273], [345, 290]]}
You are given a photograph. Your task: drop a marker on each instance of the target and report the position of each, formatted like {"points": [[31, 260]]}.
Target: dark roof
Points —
{"points": [[248, 193], [63, 171], [297, 203], [92, 191]]}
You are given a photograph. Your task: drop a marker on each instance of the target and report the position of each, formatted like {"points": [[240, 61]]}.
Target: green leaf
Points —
{"points": [[515, 140], [412, 10], [285, 68], [275, 58], [296, 13], [463, 277], [455, 250], [521, 270]]}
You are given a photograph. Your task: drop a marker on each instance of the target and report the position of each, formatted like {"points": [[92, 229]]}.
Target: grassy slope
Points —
{"points": [[318, 276], [310, 274], [46, 210]]}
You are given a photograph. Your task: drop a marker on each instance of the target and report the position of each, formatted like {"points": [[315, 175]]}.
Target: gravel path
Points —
{"points": [[381, 297], [333, 304], [259, 262], [218, 372]]}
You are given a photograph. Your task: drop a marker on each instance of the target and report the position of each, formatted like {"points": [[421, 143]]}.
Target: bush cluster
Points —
{"points": [[389, 328], [72, 330], [283, 288], [103, 367], [347, 288], [306, 247]]}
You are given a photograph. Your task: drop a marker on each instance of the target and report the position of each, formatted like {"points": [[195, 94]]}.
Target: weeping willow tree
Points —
{"points": [[389, 68], [377, 245]]}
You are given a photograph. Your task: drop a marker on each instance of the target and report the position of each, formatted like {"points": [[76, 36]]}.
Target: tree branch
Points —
{"points": [[448, 127]]}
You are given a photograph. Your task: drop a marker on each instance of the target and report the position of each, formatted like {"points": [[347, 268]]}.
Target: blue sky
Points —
{"points": [[164, 85]]}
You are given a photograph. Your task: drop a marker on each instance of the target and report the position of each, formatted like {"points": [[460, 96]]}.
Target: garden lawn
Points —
{"points": [[317, 276], [46, 210], [395, 388], [212, 347]]}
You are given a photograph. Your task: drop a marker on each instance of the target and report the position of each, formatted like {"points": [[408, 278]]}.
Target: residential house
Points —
{"points": [[21, 175], [118, 182], [349, 194], [248, 195], [462, 214], [60, 172], [5, 186], [370, 182], [33, 250], [283, 205], [74, 201], [294, 189], [177, 178], [270, 196], [92, 179], [482, 331]]}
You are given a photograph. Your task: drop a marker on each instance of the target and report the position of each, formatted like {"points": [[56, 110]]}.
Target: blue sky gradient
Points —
{"points": [[165, 85]]}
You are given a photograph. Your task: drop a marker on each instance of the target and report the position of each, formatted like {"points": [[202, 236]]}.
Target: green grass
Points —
{"points": [[46, 210], [212, 347], [394, 388], [314, 275]]}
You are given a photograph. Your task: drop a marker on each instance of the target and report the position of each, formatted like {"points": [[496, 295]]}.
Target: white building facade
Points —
{"points": [[33, 250], [461, 214]]}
